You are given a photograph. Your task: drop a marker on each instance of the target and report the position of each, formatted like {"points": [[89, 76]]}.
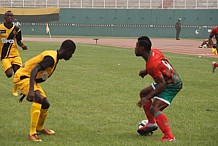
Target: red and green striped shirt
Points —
{"points": [[157, 65]]}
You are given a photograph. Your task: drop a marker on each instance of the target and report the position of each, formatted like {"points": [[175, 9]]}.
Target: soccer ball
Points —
{"points": [[142, 123], [205, 46]]}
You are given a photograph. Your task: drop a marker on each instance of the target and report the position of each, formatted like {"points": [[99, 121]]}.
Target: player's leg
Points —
{"points": [[162, 101], [44, 112], [203, 44], [16, 64], [7, 67], [34, 115], [15, 67], [157, 107], [23, 85], [177, 34], [147, 105], [9, 72], [214, 65], [151, 125]]}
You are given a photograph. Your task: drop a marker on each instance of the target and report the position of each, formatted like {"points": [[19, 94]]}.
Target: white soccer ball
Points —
{"points": [[205, 46], [142, 123]]}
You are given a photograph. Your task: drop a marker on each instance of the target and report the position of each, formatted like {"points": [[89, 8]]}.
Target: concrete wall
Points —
{"points": [[127, 23]]}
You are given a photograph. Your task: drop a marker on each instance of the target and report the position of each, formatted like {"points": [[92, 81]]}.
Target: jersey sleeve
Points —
{"points": [[213, 32], [48, 61]]}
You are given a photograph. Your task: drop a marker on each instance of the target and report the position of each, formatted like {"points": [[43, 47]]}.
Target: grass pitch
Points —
{"points": [[93, 100]]}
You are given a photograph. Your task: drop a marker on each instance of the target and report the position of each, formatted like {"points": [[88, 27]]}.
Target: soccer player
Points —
{"points": [[205, 44], [213, 33], [28, 79], [10, 36], [178, 28], [214, 66], [157, 96]]}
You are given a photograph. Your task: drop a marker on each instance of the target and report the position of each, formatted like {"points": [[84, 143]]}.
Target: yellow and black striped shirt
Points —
{"points": [[8, 41]]}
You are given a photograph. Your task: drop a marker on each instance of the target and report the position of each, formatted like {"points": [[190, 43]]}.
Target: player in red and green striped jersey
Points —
{"points": [[156, 97], [214, 33]]}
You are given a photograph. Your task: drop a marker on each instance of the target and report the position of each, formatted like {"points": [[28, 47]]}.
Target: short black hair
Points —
{"points": [[146, 44], [68, 44], [9, 11], [145, 38]]}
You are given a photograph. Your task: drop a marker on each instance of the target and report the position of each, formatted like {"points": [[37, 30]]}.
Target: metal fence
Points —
{"points": [[114, 4]]}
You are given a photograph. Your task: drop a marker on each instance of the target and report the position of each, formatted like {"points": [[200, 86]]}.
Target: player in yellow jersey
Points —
{"points": [[33, 72], [10, 37]]}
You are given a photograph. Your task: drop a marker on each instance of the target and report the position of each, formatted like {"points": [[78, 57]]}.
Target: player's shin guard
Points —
{"points": [[146, 108], [35, 113], [43, 115], [163, 124]]}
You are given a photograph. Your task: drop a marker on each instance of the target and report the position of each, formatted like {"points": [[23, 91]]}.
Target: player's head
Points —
{"points": [[67, 49], [8, 16], [179, 19], [146, 38], [143, 47]]}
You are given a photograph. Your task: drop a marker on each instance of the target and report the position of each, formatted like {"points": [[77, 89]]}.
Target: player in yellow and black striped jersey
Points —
{"points": [[33, 72], [10, 37]]}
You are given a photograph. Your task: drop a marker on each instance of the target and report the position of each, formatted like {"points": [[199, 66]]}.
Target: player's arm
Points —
{"points": [[143, 73], [161, 85], [48, 61], [19, 42], [33, 74], [211, 37]]}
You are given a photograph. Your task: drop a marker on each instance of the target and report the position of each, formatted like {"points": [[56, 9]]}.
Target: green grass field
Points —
{"points": [[93, 101]]}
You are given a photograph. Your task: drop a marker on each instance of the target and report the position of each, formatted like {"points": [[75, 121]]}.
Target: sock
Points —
{"points": [[15, 92], [42, 117], [35, 113], [163, 124], [148, 114]]}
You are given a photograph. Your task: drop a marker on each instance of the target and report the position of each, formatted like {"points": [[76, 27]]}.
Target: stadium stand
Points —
{"points": [[114, 4]]}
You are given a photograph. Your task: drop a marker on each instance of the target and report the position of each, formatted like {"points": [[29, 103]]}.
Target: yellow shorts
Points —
{"points": [[7, 62], [23, 85]]}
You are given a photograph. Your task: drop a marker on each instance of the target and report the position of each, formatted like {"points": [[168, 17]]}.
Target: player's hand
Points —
{"points": [[24, 47], [30, 96], [139, 104], [142, 73]]}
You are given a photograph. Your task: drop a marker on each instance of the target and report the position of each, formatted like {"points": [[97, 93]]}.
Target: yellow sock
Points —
{"points": [[43, 115], [35, 113], [15, 92]]}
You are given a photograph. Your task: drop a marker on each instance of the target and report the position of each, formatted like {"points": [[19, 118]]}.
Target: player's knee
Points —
{"points": [[45, 104], [8, 74], [142, 94], [154, 110]]}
